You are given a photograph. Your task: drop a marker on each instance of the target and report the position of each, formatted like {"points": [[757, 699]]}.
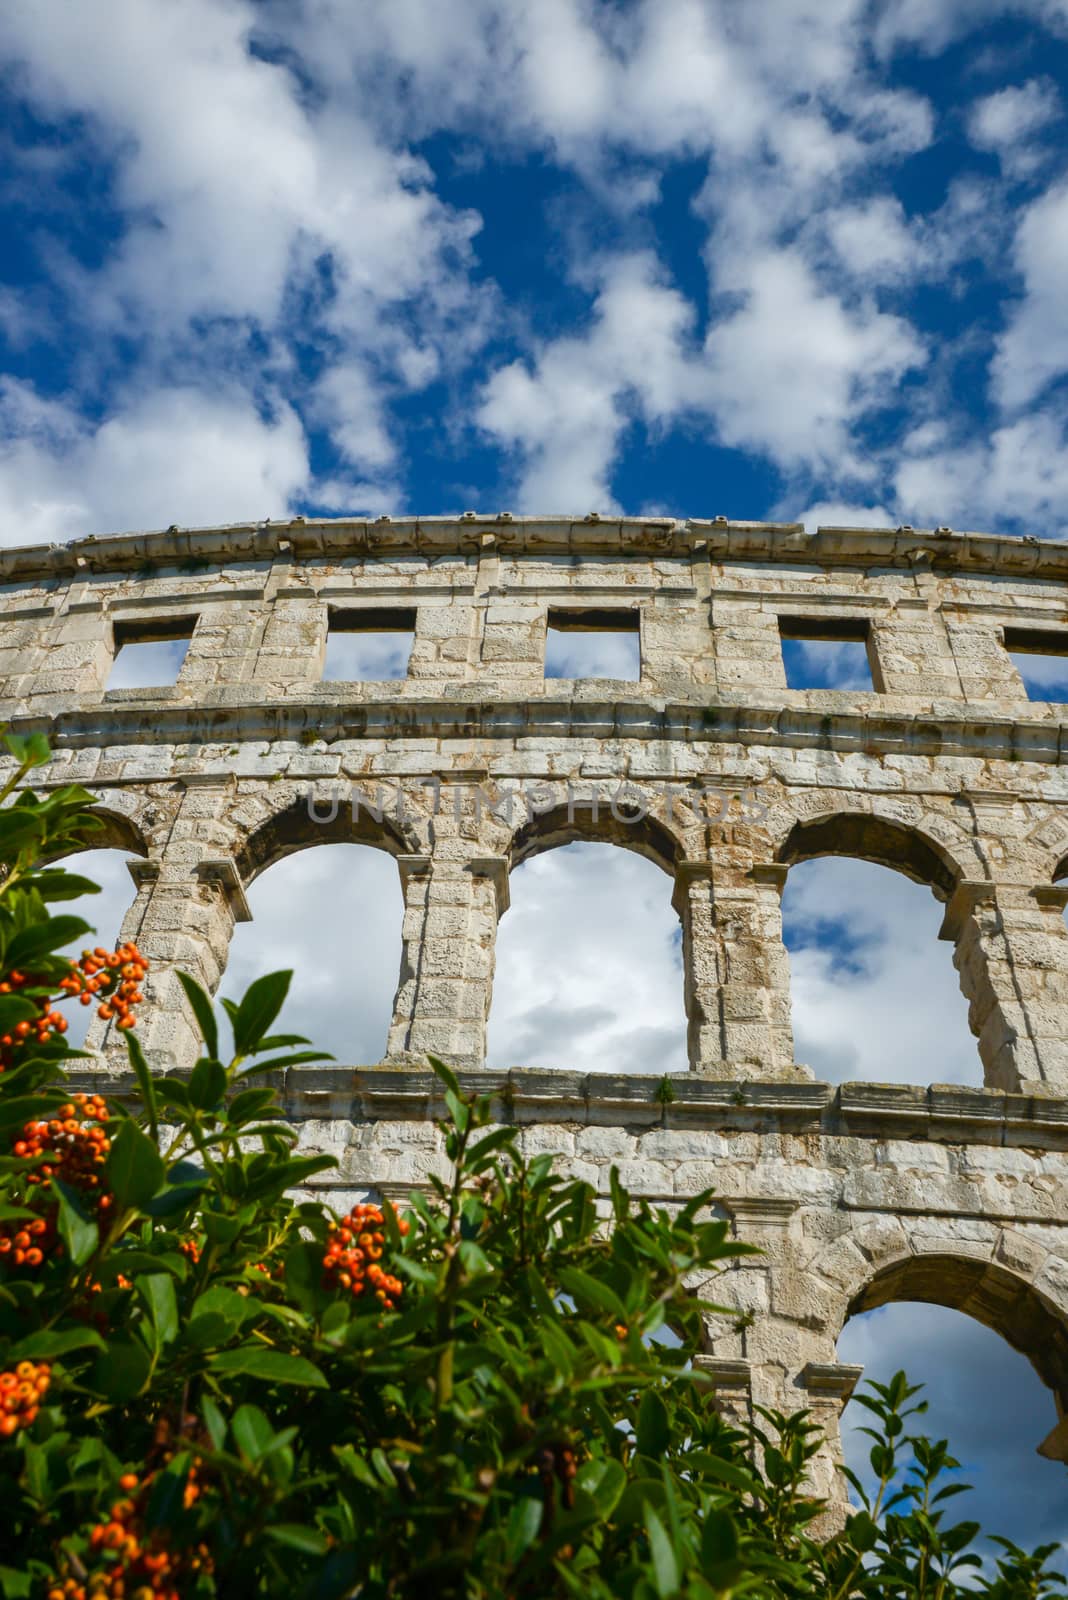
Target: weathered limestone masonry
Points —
{"points": [[709, 766]]}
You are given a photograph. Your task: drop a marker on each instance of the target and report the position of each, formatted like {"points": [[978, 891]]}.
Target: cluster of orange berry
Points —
{"points": [[190, 1249], [116, 975], [39, 1028], [76, 1143], [76, 1147], [354, 1253], [25, 1244], [135, 1565], [21, 1393]]}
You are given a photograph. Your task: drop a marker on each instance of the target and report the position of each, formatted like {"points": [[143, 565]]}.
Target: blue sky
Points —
{"points": [[799, 259], [790, 260]]}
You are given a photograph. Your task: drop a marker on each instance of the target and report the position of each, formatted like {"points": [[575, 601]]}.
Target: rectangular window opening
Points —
{"points": [[149, 652], [827, 653], [368, 644], [590, 642], [1040, 656]]}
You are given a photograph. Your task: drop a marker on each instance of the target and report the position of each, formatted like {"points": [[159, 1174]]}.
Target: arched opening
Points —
{"points": [[589, 957], [332, 915], [306, 822], [988, 1351], [870, 838], [874, 993]]}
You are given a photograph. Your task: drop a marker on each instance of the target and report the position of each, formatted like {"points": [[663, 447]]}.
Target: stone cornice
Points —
{"points": [[942, 1113], [166, 717], [338, 539]]}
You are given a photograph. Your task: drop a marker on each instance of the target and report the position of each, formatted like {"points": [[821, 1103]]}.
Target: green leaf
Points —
{"points": [[55, 884], [589, 1291], [304, 1273], [53, 1342], [204, 1012], [248, 1104], [478, 1157], [719, 1549], [134, 1166], [16, 1585], [15, 1008], [446, 1074], [157, 1291], [122, 1370], [654, 1430], [216, 1317], [214, 1421], [42, 938], [287, 1175], [273, 1366], [252, 1432], [604, 1482], [80, 1235], [172, 1092], [523, 1526], [666, 1574], [144, 1080], [25, 1106], [207, 1084], [263, 1001], [296, 1058], [298, 1536]]}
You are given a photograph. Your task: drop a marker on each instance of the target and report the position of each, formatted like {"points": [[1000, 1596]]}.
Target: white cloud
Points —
{"points": [[1018, 474], [1007, 122], [176, 455], [332, 914], [794, 367], [1033, 351], [874, 242], [589, 969], [565, 416], [842, 514], [875, 994]]}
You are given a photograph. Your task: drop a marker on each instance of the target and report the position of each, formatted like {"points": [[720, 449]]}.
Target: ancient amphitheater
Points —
{"points": [[708, 765]]}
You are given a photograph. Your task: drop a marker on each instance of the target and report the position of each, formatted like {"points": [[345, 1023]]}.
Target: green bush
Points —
{"points": [[210, 1388]]}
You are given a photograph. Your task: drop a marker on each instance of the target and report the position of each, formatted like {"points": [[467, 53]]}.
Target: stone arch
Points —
{"points": [[599, 822], [119, 828], [118, 831], [867, 836], [1031, 1320], [300, 821]]}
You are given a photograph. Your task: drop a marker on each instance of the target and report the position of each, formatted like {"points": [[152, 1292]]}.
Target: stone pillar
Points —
{"points": [[773, 1347], [747, 644], [985, 668], [825, 1389], [737, 972], [452, 902], [182, 918], [443, 642], [913, 653], [677, 658], [293, 648], [1012, 956], [222, 650], [513, 644]]}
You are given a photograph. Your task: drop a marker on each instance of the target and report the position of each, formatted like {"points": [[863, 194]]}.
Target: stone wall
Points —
{"points": [[708, 765]]}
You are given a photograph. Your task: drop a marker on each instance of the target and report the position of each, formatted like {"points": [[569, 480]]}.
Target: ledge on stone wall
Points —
{"points": [[304, 538], [466, 711], [942, 1113]]}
